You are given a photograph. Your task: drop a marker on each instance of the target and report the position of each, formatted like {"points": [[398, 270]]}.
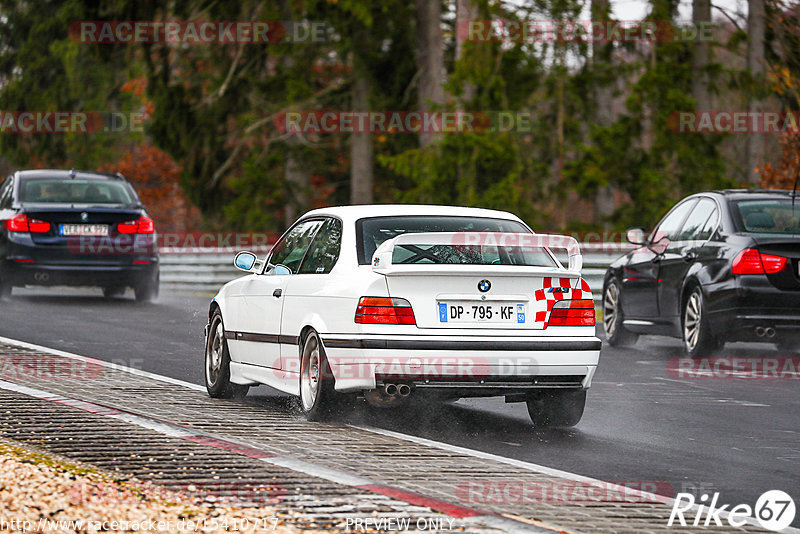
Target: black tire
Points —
{"points": [[5, 290], [556, 408], [318, 398], [616, 333], [113, 291], [147, 290], [697, 337], [217, 363]]}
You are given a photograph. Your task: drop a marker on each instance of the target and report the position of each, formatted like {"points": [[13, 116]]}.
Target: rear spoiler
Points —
{"points": [[382, 259]]}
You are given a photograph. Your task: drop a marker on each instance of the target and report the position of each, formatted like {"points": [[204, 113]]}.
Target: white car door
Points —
{"points": [[256, 338], [306, 289]]}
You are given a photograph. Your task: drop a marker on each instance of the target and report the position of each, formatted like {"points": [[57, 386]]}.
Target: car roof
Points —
{"points": [[61, 173], [353, 213], [753, 194]]}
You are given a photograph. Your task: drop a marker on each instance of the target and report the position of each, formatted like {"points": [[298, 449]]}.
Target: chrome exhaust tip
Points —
{"points": [[390, 389], [404, 390], [760, 331], [769, 332]]}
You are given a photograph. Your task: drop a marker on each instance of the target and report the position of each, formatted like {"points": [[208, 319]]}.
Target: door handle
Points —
{"points": [[691, 256], [277, 293]]}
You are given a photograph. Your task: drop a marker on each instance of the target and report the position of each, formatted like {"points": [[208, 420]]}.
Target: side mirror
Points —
{"points": [[636, 236], [660, 243], [245, 261]]}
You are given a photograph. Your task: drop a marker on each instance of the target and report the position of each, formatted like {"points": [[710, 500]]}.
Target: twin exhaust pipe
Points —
{"points": [[765, 331], [397, 390]]}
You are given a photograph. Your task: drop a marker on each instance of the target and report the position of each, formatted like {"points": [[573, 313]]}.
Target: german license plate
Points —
{"points": [[97, 230], [483, 312]]}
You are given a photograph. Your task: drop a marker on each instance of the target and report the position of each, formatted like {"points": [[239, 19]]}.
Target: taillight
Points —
{"points": [[384, 310], [578, 312], [751, 261], [21, 223], [143, 225]]}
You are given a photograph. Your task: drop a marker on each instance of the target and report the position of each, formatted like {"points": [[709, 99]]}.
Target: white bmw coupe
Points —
{"points": [[393, 302]]}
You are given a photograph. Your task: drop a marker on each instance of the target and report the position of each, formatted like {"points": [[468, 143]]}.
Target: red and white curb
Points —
{"points": [[466, 515]]}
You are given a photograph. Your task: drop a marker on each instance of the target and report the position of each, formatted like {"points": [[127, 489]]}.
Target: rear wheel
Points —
{"points": [[318, 398], [5, 290], [556, 408], [697, 336], [147, 290], [218, 363], [615, 331]]}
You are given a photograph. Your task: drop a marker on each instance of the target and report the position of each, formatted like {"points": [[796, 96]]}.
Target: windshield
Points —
{"points": [[75, 191], [770, 216], [374, 231]]}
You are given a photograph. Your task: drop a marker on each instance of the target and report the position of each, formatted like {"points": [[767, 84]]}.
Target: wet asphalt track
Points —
{"points": [[740, 437]]}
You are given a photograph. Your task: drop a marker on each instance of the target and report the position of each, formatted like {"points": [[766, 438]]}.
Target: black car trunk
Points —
{"points": [[786, 246], [76, 233]]}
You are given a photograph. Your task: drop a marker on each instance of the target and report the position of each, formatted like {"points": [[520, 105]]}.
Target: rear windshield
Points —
{"points": [[75, 191], [773, 216], [374, 231]]}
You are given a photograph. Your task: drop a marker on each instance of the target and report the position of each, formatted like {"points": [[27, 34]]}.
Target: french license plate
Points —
{"points": [[484, 312], [97, 230]]}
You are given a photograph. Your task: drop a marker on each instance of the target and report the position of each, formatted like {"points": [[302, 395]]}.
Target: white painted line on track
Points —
{"points": [[116, 367]]}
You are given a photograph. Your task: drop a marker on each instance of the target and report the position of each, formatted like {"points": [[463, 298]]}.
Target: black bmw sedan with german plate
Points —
{"points": [[720, 266], [78, 229]]}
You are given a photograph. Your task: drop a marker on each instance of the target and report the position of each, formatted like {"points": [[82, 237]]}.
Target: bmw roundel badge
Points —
{"points": [[84, 216], [484, 286]]}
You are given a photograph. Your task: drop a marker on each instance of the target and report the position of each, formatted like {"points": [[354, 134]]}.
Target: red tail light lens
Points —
{"points": [[751, 261], [384, 310], [578, 312], [21, 223], [143, 225], [773, 264]]}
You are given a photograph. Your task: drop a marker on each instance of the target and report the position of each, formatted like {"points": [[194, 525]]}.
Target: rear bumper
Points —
{"points": [[462, 367], [41, 274], [740, 305]]}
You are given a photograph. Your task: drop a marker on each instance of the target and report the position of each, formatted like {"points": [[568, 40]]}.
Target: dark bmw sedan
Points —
{"points": [[76, 228], [720, 266]]}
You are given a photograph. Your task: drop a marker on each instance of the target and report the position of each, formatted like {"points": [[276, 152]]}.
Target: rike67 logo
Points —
{"points": [[774, 510]]}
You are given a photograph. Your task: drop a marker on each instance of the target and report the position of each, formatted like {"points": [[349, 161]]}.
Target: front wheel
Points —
{"points": [[218, 363], [697, 336], [616, 333], [556, 408]]}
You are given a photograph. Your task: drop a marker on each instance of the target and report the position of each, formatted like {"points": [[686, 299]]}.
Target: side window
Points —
{"points": [[324, 251], [709, 227], [291, 249], [671, 224], [696, 220]]}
